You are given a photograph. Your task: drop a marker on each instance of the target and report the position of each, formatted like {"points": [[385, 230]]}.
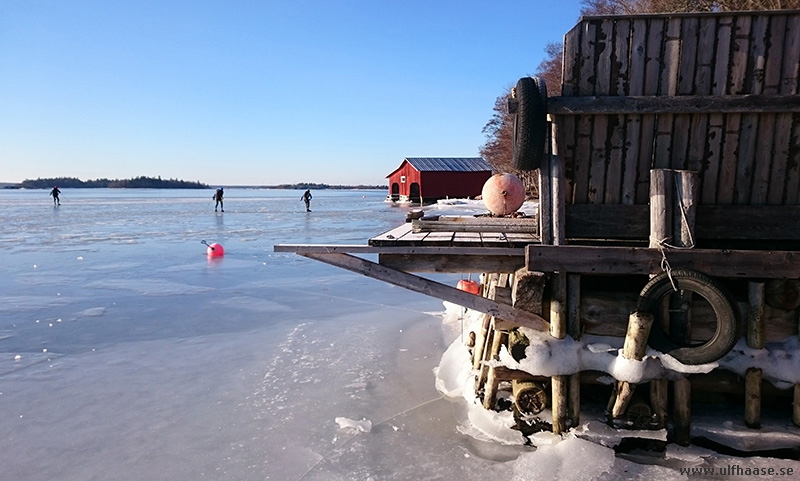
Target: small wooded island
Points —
{"points": [[141, 182]]}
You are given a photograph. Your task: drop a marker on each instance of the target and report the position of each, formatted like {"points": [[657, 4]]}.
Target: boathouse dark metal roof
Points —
{"points": [[449, 164]]}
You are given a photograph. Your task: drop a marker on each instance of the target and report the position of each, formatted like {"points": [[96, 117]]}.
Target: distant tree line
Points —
{"points": [[134, 183], [311, 185]]}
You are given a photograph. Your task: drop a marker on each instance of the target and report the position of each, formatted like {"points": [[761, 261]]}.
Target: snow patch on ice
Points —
{"points": [[150, 287], [363, 426], [92, 312], [779, 361], [572, 458]]}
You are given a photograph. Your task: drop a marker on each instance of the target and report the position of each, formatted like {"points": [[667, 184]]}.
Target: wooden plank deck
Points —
{"points": [[404, 235]]}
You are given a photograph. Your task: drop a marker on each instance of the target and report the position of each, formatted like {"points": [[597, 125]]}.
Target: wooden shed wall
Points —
{"points": [[441, 184], [745, 158]]}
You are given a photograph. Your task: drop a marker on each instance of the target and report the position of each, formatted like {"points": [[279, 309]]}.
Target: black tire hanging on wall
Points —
{"points": [[530, 123], [727, 313]]}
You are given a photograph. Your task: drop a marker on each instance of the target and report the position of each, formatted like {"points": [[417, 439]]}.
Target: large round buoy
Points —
{"points": [[503, 194], [468, 286], [215, 250]]}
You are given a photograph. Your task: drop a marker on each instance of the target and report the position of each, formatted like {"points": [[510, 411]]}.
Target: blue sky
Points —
{"points": [[257, 92]]}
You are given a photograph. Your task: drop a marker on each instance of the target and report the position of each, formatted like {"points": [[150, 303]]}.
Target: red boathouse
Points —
{"points": [[431, 178]]}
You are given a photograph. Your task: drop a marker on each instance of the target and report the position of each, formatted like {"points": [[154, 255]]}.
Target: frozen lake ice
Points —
{"points": [[126, 354]]}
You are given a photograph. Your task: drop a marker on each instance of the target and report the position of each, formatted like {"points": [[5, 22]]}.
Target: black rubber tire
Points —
{"points": [[723, 304], [530, 124]]}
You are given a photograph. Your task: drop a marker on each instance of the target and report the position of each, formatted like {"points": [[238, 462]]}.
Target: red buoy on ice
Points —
{"points": [[468, 286], [215, 250], [503, 194]]}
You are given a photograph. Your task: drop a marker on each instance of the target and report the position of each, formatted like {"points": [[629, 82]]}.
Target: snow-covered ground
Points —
{"points": [[126, 354]]}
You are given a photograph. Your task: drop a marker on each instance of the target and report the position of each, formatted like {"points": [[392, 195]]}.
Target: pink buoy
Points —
{"points": [[503, 194], [215, 250]]}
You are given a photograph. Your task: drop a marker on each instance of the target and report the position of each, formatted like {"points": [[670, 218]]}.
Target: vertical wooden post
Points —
{"points": [[480, 342], [558, 329], [492, 381], [687, 188], [661, 181], [796, 403], [553, 176], [682, 411], [755, 340], [661, 204], [545, 204], [796, 406], [658, 401], [574, 329], [683, 221], [673, 197]]}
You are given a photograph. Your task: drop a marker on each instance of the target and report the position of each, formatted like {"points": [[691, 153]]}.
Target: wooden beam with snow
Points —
{"points": [[430, 288]]}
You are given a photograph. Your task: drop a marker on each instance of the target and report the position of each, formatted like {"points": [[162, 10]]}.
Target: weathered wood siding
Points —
{"points": [[744, 158]]}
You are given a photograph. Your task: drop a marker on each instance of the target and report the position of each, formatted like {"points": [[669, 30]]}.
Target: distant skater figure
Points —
{"points": [[55, 193], [218, 198], [307, 199]]}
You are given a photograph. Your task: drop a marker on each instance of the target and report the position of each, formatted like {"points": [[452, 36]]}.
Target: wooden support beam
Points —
{"points": [[525, 225], [431, 288], [642, 260], [451, 263], [728, 222], [658, 104], [400, 250]]}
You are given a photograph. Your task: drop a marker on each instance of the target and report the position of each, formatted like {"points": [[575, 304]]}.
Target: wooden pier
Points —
{"points": [[668, 215]]}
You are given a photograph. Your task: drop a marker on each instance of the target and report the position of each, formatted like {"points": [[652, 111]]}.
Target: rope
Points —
{"points": [[663, 245]]}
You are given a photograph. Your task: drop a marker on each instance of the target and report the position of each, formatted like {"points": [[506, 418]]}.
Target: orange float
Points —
{"points": [[503, 194], [468, 286], [215, 250]]}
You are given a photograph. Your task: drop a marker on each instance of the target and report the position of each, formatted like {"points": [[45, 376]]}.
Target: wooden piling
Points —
{"points": [[682, 411], [755, 340], [673, 202], [574, 329], [558, 329], [796, 403], [660, 231], [796, 406], [752, 398], [658, 401], [639, 324], [480, 342], [492, 380]]}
